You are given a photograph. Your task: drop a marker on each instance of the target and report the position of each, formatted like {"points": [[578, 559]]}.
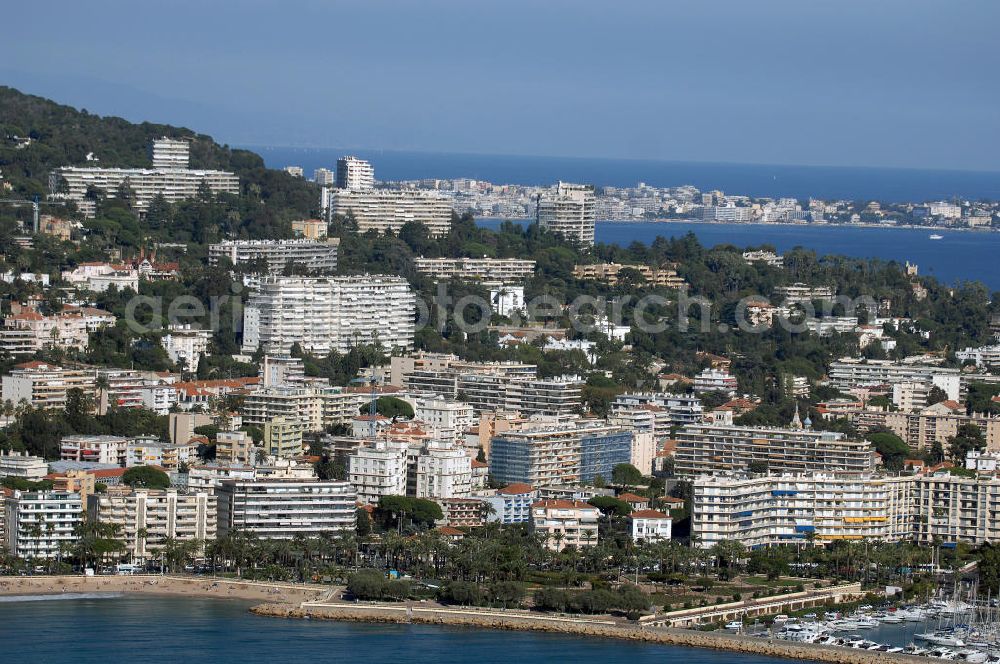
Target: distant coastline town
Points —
{"points": [[644, 202]]}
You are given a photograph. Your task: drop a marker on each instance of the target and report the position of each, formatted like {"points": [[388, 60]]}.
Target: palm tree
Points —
{"points": [[102, 386]]}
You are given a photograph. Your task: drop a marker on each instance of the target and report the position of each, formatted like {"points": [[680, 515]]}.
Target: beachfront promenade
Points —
{"points": [[752, 608]]}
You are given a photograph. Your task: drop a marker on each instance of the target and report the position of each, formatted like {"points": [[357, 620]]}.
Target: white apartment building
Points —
{"points": [[284, 508], [565, 523], [169, 177], [354, 173], [649, 526], [569, 211], [443, 471], [210, 476], [506, 299], [170, 153], [848, 373], [315, 407], [283, 437], [42, 385], [281, 371], [984, 356], [728, 213], [23, 465], [316, 256], [512, 504], [147, 518], [28, 332], [769, 510], [235, 447], [324, 177], [385, 210], [379, 469], [715, 380], [329, 314], [186, 344], [40, 524], [96, 449], [708, 449], [656, 412], [448, 419], [569, 452], [152, 452], [789, 509], [503, 270], [799, 293]]}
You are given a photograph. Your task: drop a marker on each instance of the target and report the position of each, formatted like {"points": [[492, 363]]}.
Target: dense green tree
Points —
{"points": [[146, 477], [969, 437], [625, 474]]}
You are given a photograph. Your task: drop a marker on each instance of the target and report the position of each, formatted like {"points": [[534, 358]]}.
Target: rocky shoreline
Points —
{"points": [[579, 627]]}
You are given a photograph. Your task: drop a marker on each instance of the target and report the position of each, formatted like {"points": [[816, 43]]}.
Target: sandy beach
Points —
{"points": [[285, 593]]}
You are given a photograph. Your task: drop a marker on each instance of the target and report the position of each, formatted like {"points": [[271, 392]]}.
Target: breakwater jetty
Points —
{"points": [[577, 626]]}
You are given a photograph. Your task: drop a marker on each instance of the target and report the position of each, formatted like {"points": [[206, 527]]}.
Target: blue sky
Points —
{"points": [[910, 83]]}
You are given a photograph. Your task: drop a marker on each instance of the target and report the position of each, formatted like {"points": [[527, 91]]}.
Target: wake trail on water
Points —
{"points": [[57, 596]]}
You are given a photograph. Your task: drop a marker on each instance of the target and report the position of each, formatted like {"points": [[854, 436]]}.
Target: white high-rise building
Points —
{"points": [[169, 153], [284, 508], [185, 345], [354, 173], [449, 419], [378, 470], [39, 524], [149, 517], [569, 211], [443, 471], [324, 177], [329, 314]]}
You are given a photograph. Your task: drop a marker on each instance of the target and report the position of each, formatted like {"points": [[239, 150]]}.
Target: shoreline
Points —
{"points": [[309, 601], [793, 224], [213, 587], [598, 626]]}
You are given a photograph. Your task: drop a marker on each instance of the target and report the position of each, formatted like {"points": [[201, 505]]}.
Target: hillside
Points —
{"points": [[63, 136]]}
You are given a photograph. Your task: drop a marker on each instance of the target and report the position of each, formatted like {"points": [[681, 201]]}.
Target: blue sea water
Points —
{"points": [[959, 256], [170, 630], [884, 184]]}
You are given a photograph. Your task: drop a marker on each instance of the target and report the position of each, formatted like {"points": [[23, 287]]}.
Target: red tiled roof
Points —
{"points": [[633, 498], [449, 531], [563, 504], [648, 514], [516, 489]]}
